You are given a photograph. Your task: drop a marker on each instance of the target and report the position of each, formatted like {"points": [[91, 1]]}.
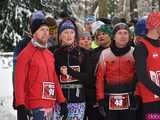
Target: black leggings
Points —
{"points": [[92, 113], [121, 115]]}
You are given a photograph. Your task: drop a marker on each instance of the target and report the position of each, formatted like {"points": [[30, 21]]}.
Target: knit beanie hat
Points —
{"points": [[106, 29], [85, 34], [118, 27], [96, 25], [68, 24], [90, 19], [140, 27], [153, 20], [37, 19]]}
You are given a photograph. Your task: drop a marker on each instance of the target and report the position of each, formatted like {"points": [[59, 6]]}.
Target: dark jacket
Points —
{"points": [[73, 85], [91, 89]]}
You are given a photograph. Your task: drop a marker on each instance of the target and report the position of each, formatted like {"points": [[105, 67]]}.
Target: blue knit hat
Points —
{"points": [[37, 19], [140, 27], [90, 19], [66, 25]]}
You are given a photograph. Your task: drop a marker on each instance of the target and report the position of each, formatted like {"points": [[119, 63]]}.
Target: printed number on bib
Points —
{"points": [[119, 101], [48, 91]]}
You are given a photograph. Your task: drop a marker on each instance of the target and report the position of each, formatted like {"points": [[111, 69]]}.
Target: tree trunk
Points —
{"points": [[102, 8], [133, 9]]}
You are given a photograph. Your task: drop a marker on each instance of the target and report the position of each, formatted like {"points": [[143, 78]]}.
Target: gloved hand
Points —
{"points": [[64, 111], [103, 107], [136, 103], [23, 111]]}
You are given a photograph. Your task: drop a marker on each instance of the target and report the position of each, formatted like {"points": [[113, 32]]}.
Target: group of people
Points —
{"points": [[99, 72]]}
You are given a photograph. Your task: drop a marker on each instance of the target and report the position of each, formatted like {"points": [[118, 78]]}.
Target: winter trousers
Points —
{"points": [[121, 115], [92, 113], [75, 111]]}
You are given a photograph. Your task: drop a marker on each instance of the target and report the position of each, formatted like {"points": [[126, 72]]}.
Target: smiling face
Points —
{"points": [[121, 38], [67, 37]]}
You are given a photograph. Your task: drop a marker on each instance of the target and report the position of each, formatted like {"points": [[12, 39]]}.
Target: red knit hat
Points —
{"points": [[153, 20]]}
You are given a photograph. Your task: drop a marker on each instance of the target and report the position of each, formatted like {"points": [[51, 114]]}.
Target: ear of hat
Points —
{"points": [[37, 20]]}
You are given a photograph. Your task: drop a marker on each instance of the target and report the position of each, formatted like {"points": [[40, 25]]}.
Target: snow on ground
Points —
{"points": [[6, 110]]}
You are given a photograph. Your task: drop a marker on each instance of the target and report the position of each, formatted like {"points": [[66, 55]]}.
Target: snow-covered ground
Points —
{"points": [[6, 110]]}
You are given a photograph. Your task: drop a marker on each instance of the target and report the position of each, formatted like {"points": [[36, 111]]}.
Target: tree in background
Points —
{"points": [[103, 8], [14, 14]]}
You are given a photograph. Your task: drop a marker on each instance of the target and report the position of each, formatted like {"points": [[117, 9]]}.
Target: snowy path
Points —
{"points": [[6, 110]]}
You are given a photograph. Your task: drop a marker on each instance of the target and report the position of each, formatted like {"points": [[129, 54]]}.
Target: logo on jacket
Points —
{"points": [[155, 54]]}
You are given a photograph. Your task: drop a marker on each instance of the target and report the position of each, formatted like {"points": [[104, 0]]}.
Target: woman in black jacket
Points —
{"points": [[71, 66]]}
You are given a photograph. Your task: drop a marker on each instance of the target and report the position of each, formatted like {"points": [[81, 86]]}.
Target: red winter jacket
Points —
{"points": [[116, 70], [34, 70]]}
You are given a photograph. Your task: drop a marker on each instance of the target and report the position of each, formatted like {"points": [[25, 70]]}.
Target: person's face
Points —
{"points": [[85, 42], [42, 34], [102, 38], [121, 38], [88, 27], [53, 32], [67, 37]]}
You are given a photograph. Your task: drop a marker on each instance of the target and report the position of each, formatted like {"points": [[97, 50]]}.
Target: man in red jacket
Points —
{"points": [[36, 85], [147, 57], [115, 77]]}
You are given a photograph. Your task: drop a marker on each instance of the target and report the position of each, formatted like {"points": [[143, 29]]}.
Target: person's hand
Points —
{"points": [[102, 107], [24, 110], [64, 111]]}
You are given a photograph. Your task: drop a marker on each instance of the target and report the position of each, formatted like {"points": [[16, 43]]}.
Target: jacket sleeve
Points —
{"points": [[59, 93], [21, 70], [100, 79], [140, 55]]}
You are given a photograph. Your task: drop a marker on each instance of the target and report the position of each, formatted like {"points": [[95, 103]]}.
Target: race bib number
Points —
{"points": [[65, 77], [48, 91], [119, 101]]}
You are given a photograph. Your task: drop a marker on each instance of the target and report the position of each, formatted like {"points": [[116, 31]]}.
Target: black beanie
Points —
{"points": [[118, 27], [37, 19]]}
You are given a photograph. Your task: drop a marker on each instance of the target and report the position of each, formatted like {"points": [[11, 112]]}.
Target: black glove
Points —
{"points": [[23, 112], [64, 110], [136, 103], [103, 107]]}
